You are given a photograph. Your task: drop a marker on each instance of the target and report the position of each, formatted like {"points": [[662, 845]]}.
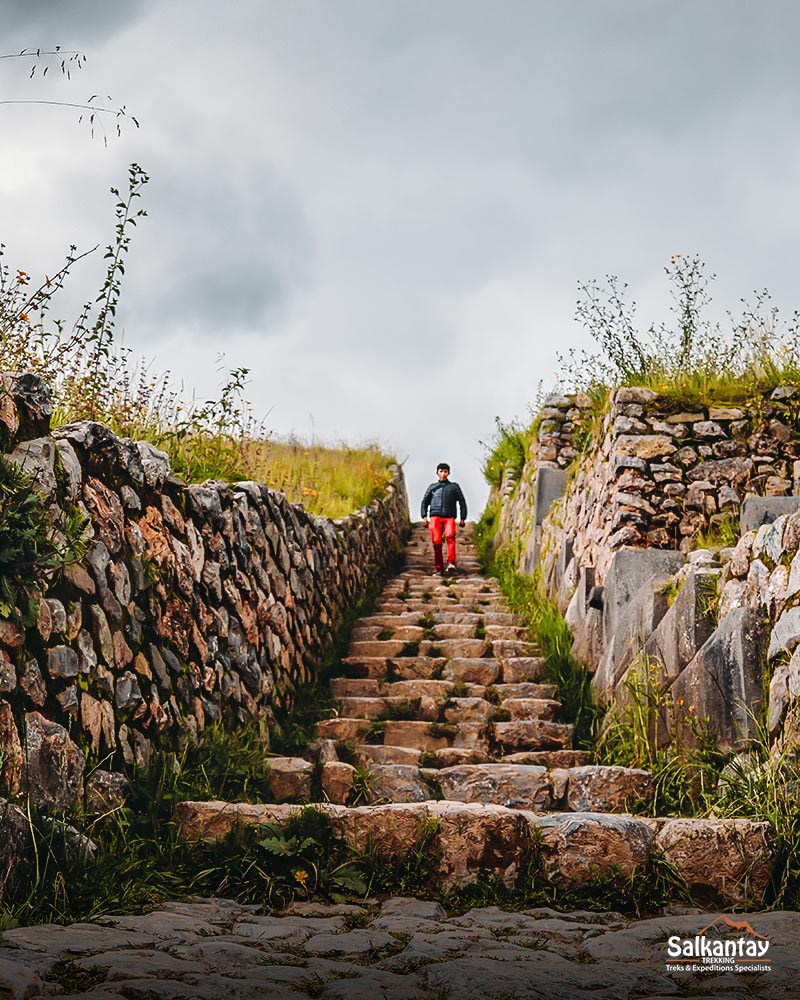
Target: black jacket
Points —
{"points": [[442, 498]]}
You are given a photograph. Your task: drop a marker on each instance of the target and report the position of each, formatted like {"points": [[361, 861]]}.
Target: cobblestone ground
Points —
{"points": [[401, 949]]}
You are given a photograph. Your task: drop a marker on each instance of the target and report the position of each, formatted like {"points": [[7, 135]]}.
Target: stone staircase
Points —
{"points": [[445, 740], [441, 699]]}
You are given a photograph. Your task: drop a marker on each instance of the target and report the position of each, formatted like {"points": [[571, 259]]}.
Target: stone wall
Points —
{"points": [[709, 629], [194, 603], [652, 477]]}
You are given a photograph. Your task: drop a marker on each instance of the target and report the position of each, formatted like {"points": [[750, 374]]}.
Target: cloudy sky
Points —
{"points": [[383, 208]]}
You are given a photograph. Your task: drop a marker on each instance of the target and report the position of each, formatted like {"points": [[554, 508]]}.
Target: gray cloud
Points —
{"points": [[384, 208], [69, 23], [219, 252]]}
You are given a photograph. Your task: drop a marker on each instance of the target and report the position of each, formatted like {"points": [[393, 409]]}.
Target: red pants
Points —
{"points": [[446, 525]]}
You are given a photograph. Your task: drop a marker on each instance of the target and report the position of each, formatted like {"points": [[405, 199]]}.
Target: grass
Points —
{"points": [[547, 630]]}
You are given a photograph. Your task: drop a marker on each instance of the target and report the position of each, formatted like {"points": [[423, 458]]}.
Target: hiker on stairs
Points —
{"points": [[441, 499]]}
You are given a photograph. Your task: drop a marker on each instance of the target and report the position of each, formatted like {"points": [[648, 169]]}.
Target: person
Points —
{"points": [[439, 514]]}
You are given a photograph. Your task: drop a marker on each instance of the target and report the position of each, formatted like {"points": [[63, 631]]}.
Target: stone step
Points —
{"points": [[389, 648], [532, 708], [399, 668], [392, 707], [518, 669], [468, 710], [534, 734], [365, 687], [502, 618], [459, 648], [375, 633], [421, 735], [505, 632], [549, 758], [525, 689], [454, 630], [513, 648], [471, 670], [350, 730], [432, 607], [450, 756], [525, 786], [470, 841], [367, 754]]}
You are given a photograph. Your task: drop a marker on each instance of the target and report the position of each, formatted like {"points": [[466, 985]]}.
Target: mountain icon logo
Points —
{"points": [[723, 923]]}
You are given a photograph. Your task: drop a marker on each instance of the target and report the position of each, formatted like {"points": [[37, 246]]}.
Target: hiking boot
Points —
{"points": [[451, 568]]}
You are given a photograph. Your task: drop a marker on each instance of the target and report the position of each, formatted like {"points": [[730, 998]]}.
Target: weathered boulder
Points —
{"points": [[725, 861], [515, 786], [33, 403], [54, 765], [105, 792], [15, 838], [37, 457], [10, 752], [785, 635], [290, 778], [581, 847]]}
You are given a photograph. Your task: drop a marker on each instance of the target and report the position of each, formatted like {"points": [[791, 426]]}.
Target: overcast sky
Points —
{"points": [[383, 208]]}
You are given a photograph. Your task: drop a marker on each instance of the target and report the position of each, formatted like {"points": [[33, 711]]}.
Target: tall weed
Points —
{"points": [[692, 361]]}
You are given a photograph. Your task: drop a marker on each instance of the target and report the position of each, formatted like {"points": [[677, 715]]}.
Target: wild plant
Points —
{"points": [[692, 361]]}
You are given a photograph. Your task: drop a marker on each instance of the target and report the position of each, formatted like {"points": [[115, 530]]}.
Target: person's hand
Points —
{"points": [[462, 524], [425, 521]]}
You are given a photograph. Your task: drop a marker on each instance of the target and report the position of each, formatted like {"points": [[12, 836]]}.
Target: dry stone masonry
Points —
{"points": [[194, 604], [653, 476], [441, 723], [707, 630]]}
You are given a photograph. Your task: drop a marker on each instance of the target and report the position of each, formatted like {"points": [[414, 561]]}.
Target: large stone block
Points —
{"points": [[629, 571], [722, 861], [290, 778], [764, 510], [477, 843], [396, 783], [54, 765], [549, 485], [581, 847], [596, 788], [723, 683], [515, 786], [686, 626], [634, 624]]}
